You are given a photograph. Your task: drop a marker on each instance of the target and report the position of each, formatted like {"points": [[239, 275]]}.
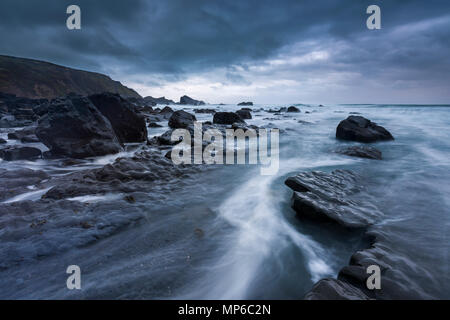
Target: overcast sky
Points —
{"points": [[296, 51]]}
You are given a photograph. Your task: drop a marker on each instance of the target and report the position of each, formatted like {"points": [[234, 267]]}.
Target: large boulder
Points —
{"points": [[244, 113], [127, 124], [20, 153], [226, 118], [361, 152], [188, 100], [357, 128], [293, 109], [332, 197], [181, 120], [75, 128]]}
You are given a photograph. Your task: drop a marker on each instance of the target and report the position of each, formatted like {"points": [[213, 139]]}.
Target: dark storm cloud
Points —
{"points": [[180, 37]]}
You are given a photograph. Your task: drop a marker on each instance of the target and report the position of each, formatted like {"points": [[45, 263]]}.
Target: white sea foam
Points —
{"points": [[31, 196]]}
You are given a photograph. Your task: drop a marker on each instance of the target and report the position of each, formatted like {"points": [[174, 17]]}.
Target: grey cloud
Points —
{"points": [[176, 38]]}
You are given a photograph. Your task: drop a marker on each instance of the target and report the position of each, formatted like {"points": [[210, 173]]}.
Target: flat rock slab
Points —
{"points": [[332, 197]]}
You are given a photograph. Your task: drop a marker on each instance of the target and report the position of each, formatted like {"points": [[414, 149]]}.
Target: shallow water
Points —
{"points": [[250, 244]]}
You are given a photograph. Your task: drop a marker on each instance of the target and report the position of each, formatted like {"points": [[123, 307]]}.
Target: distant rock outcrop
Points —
{"points": [[154, 101], [248, 103], [38, 79], [184, 100]]}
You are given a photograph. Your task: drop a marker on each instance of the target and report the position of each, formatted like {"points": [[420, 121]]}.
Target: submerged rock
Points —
{"points": [[361, 152], [331, 197], [226, 118], [181, 120], [127, 124], [20, 153], [74, 127], [357, 128]]}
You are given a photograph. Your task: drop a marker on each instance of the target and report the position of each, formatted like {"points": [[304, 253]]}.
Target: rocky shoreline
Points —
{"points": [[76, 128]]}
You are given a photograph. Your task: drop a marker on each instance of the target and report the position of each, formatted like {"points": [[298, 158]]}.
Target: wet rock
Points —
{"points": [[243, 126], [293, 109], [20, 153], [75, 128], [332, 197], [16, 181], [9, 121], [127, 124], [181, 120], [245, 103], [357, 128], [125, 175], [30, 139], [2, 141], [275, 111], [166, 110], [332, 289], [164, 114], [361, 152], [351, 283], [211, 111], [154, 125], [185, 100], [157, 117], [41, 109], [226, 118], [130, 199], [165, 138], [18, 135], [244, 114]]}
